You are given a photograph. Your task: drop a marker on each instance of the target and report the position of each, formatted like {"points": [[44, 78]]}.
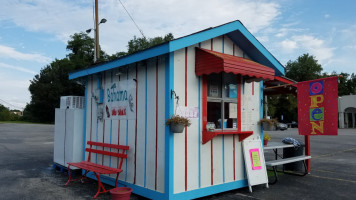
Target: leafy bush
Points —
{"points": [[176, 119]]}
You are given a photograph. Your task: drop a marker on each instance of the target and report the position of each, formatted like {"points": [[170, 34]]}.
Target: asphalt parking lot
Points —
{"points": [[26, 159]]}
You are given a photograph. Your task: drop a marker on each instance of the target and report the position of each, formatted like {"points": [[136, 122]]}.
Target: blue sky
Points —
{"points": [[34, 32]]}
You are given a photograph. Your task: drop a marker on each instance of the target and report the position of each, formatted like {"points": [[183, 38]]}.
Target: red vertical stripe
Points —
{"points": [[211, 44], [118, 139], [253, 88], [233, 155], [156, 121], [186, 139], [102, 157], [239, 102], [135, 129], [233, 49]]}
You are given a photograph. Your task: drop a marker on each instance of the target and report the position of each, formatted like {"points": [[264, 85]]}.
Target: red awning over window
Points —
{"points": [[207, 62]]}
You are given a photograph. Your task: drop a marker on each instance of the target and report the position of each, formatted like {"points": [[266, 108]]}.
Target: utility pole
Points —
{"points": [[96, 28]]}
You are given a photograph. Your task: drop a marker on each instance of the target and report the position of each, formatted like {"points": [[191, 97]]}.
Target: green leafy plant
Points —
{"points": [[176, 119], [269, 121], [266, 137]]}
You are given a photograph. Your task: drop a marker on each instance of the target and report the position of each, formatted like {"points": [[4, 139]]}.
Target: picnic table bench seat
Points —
{"points": [[99, 169], [275, 163]]}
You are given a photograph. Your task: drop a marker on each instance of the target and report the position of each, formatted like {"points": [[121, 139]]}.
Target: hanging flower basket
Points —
{"points": [[177, 128], [177, 123]]}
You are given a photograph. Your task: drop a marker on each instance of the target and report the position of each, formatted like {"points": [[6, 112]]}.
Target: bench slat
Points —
{"points": [[101, 166], [115, 146], [287, 160], [108, 153], [95, 167]]}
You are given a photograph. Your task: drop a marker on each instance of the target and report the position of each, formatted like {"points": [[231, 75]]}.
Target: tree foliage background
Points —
{"points": [[305, 68], [52, 82]]}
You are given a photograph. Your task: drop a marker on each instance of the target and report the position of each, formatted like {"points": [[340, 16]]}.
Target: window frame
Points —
{"points": [[224, 99]]}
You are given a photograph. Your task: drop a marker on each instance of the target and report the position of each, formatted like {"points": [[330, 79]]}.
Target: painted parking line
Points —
{"points": [[331, 154], [335, 179]]}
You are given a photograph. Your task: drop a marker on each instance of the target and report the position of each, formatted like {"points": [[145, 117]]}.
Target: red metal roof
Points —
{"points": [[207, 62]]}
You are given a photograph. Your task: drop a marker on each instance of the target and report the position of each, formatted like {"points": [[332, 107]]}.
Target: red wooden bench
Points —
{"points": [[99, 169]]}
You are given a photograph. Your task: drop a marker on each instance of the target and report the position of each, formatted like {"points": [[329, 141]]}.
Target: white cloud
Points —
{"points": [[156, 17], [326, 16], [309, 44], [14, 91], [4, 65], [289, 45], [9, 52]]}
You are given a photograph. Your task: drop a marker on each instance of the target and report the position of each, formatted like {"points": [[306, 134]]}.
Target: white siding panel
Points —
{"points": [[239, 161], [217, 141], [151, 125], [205, 148], [123, 127], [107, 128], [228, 160], [114, 140], [217, 44], [228, 46], [179, 139], [141, 100], [206, 44], [193, 142], [238, 51], [130, 169], [161, 126], [89, 103]]}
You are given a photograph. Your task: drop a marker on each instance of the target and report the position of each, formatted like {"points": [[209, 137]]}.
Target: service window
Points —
{"points": [[222, 100]]}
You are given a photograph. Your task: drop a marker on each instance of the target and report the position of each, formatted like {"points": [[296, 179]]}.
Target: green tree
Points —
{"points": [[4, 113], [305, 68], [52, 82], [139, 44]]}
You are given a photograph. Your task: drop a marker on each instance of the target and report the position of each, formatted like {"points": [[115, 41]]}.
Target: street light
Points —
{"points": [[96, 39], [102, 21]]}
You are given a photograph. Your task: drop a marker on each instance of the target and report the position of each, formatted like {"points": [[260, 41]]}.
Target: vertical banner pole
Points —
{"points": [[307, 150]]}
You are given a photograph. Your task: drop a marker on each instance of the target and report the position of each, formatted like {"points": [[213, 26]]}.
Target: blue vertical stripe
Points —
{"points": [[85, 117], [169, 139], [223, 44], [144, 183], [199, 142], [243, 85]]}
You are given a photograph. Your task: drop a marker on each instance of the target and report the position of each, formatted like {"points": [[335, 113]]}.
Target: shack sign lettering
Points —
{"points": [[317, 107], [120, 100]]}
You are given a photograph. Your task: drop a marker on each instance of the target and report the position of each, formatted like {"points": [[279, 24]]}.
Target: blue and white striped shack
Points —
{"points": [[218, 76]]}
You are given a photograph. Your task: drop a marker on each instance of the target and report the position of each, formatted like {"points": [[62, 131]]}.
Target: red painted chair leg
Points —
{"points": [[101, 188], [69, 178], [117, 176]]}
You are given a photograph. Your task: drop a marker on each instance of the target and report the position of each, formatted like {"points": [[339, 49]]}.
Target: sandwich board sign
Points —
{"points": [[254, 163]]}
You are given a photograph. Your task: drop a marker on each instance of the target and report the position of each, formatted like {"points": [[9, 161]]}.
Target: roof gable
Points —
{"points": [[235, 30]]}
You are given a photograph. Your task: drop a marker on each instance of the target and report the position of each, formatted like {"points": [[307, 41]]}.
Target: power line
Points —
{"points": [[132, 19], [11, 104]]}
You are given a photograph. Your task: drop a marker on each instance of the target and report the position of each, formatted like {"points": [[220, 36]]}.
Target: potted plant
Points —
{"points": [[268, 124], [177, 123], [266, 138]]}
